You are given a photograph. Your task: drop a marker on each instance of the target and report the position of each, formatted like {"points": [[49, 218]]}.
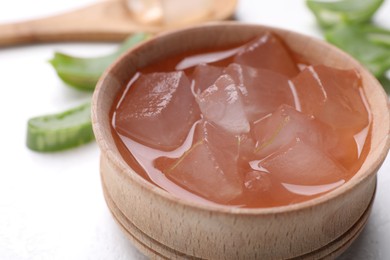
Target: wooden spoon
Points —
{"points": [[104, 21]]}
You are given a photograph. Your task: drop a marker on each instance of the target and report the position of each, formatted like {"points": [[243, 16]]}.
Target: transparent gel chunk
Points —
{"points": [[301, 163], [246, 146], [222, 104], [209, 167], [145, 113], [205, 76], [267, 52], [257, 181], [262, 90], [333, 96], [344, 149], [169, 12], [264, 190], [281, 127]]}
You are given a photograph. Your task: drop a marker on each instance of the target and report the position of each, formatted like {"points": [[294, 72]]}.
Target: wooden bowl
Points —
{"points": [[164, 226]]}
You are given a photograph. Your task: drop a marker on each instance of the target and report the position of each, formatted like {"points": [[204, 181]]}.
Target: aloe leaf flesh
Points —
{"points": [[64, 130]]}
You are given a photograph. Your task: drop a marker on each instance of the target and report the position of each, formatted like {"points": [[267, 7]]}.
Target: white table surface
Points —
{"points": [[51, 205]]}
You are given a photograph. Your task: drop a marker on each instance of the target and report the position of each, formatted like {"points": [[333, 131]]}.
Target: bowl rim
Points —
{"points": [[124, 168]]}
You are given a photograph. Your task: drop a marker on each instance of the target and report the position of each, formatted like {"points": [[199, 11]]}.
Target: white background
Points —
{"points": [[51, 205]]}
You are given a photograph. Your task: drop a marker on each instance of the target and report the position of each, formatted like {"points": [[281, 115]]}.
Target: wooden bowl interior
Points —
{"points": [[298, 229], [229, 34]]}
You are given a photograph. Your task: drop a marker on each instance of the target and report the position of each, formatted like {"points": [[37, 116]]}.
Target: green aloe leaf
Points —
{"points": [[83, 73], [331, 12], [356, 40], [60, 131], [377, 35], [385, 81]]}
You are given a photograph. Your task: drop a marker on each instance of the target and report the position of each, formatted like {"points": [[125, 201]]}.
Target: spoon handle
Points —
{"points": [[34, 31], [104, 21], [108, 20]]}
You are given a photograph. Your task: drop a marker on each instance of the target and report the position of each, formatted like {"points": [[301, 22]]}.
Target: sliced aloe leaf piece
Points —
{"points": [[60, 131]]}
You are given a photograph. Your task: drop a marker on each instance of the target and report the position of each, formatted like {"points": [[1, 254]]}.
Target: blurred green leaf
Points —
{"points": [[357, 40], [83, 73], [385, 81], [332, 12]]}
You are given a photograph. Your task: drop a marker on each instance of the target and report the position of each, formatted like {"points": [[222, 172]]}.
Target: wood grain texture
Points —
{"points": [[160, 251], [109, 20], [217, 232]]}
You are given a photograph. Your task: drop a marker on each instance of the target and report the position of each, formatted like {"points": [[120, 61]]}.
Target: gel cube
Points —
{"points": [[263, 91], [333, 96], [266, 52], [301, 163], [222, 104], [158, 110], [209, 168]]}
